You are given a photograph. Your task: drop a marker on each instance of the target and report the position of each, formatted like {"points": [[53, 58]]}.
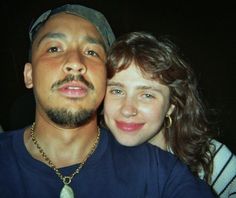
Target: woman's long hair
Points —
{"points": [[189, 136]]}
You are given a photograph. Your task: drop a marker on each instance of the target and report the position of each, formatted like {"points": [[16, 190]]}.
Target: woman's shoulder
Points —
{"points": [[221, 151], [223, 157], [224, 168]]}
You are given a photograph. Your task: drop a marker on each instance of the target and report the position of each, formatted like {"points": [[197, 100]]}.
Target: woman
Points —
{"points": [[152, 96]]}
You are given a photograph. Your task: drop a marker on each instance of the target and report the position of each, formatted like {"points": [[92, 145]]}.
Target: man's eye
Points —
{"points": [[53, 49]]}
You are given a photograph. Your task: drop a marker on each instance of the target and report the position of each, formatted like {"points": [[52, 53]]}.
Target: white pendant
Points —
{"points": [[67, 192]]}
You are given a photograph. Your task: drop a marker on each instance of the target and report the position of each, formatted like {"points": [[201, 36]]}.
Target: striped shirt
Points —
{"points": [[224, 171], [223, 179]]}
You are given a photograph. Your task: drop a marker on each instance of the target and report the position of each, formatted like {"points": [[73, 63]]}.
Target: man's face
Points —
{"points": [[68, 69]]}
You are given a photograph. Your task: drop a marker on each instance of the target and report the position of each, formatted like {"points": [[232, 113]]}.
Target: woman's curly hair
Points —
{"points": [[189, 136]]}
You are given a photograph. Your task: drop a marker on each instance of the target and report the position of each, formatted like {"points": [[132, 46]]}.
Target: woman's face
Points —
{"points": [[134, 106]]}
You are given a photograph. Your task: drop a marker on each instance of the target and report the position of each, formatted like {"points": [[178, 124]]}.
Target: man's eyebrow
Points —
{"points": [[96, 41], [50, 35]]}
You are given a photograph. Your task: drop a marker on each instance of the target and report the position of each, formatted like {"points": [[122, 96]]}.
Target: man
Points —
{"points": [[64, 153]]}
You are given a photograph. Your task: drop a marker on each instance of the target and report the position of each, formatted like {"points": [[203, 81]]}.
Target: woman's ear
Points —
{"points": [[28, 75], [170, 110]]}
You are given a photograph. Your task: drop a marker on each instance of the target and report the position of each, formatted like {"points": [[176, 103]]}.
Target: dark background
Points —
{"points": [[204, 31]]}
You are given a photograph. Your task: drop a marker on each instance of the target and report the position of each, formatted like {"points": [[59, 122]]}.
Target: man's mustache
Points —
{"points": [[70, 78]]}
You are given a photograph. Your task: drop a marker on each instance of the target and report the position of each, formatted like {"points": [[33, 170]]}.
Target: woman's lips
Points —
{"points": [[129, 126]]}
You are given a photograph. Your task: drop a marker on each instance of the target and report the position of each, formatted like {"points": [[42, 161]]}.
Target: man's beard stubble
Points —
{"points": [[68, 119], [63, 116]]}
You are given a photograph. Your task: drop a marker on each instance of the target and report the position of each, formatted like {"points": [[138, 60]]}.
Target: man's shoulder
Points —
{"points": [[146, 153], [163, 157], [7, 137], [144, 148]]}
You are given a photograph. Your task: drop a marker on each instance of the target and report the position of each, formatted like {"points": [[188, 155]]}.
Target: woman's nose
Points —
{"points": [[129, 108]]}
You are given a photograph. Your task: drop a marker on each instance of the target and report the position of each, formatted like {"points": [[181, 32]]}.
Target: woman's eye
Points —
{"points": [[116, 92], [92, 53], [148, 96]]}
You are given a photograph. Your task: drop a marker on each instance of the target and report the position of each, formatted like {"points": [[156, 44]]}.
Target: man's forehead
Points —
{"points": [[91, 15]]}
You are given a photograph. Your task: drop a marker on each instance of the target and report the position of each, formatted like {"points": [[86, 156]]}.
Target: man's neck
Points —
{"points": [[63, 146]]}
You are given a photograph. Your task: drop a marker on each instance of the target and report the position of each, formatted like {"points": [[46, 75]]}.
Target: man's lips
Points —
{"points": [[73, 89], [129, 126]]}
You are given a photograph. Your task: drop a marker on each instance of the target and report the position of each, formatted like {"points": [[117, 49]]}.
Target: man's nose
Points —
{"points": [[74, 63]]}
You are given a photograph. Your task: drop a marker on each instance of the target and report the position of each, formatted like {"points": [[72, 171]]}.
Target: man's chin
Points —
{"points": [[70, 119]]}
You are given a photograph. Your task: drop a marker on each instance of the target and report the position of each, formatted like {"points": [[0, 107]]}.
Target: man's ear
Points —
{"points": [[171, 109], [28, 75]]}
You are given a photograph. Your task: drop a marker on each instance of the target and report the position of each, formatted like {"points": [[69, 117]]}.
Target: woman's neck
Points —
{"points": [[159, 140]]}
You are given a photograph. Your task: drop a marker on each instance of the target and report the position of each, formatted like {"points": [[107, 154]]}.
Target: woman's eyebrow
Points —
{"points": [[115, 84], [144, 87]]}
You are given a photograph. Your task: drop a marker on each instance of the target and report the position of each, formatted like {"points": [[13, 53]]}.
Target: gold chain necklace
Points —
{"points": [[66, 190]]}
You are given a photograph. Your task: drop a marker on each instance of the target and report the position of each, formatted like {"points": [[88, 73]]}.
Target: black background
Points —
{"points": [[204, 31]]}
